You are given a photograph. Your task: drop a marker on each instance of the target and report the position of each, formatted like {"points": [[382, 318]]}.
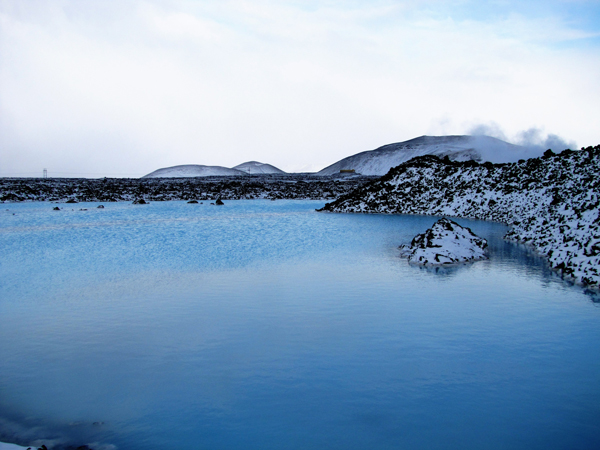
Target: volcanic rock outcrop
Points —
{"points": [[551, 203]]}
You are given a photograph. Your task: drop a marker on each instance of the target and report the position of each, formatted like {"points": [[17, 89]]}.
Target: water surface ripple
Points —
{"points": [[266, 325]]}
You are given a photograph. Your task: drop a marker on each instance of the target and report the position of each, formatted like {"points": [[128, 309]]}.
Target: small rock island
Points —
{"points": [[446, 242]]}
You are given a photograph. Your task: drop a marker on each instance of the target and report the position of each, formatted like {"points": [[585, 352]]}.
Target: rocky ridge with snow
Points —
{"points": [[245, 187], [551, 203], [446, 242], [457, 148]]}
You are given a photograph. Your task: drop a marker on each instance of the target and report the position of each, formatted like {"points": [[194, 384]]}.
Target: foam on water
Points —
{"points": [[266, 325]]}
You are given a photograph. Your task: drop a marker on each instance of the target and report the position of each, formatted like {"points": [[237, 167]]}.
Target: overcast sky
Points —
{"points": [[121, 88]]}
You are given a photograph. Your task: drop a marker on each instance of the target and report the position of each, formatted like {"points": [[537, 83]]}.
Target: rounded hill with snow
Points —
{"points": [[193, 170], [255, 167], [457, 148]]}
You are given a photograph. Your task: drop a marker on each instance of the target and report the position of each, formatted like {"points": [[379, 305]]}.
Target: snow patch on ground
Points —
{"points": [[446, 242]]}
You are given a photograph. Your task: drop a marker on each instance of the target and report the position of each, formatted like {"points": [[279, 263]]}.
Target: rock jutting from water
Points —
{"points": [[551, 203], [446, 242]]}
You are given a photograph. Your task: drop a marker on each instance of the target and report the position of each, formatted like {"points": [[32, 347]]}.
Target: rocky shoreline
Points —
{"points": [[266, 186], [551, 203]]}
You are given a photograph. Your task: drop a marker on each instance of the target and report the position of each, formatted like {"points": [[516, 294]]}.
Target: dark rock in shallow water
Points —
{"points": [[193, 201], [56, 208], [101, 206], [219, 202], [139, 201], [446, 242], [71, 201]]}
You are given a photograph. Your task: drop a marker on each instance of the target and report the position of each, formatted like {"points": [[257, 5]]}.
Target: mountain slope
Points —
{"points": [[458, 148], [193, 170], [551, 203], [255, 167]]}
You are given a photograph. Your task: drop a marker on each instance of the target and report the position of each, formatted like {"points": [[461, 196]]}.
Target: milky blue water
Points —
{"points": [[267, 325]]}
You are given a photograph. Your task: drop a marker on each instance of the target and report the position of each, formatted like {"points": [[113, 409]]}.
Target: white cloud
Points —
{"points": [[135, 85], [535, 137], [536, 140]]}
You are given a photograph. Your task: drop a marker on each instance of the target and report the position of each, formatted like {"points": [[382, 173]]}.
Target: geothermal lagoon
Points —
{"points": [[266, 325]]}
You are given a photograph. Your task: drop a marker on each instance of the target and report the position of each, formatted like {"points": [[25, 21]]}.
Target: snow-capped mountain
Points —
{"points": [[255, 167], [457, 148], [551, 203], [193, 170]]}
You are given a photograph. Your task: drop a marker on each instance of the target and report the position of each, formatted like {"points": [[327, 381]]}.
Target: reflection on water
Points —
{"points": [[268, 325]]}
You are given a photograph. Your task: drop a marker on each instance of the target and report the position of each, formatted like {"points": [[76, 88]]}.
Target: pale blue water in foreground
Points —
{"points": [[266, 325]]}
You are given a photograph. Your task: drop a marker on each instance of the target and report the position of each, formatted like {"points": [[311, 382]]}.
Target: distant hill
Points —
{"points": [[255, 167], [196, 170], [457, 148], [381, 160], [193, 170]]}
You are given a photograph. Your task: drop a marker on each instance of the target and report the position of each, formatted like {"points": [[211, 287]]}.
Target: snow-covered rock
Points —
{"points": [[551, 203], [457, 148], [193, 170], [6, 446], [255, 167], [446, 242]]}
